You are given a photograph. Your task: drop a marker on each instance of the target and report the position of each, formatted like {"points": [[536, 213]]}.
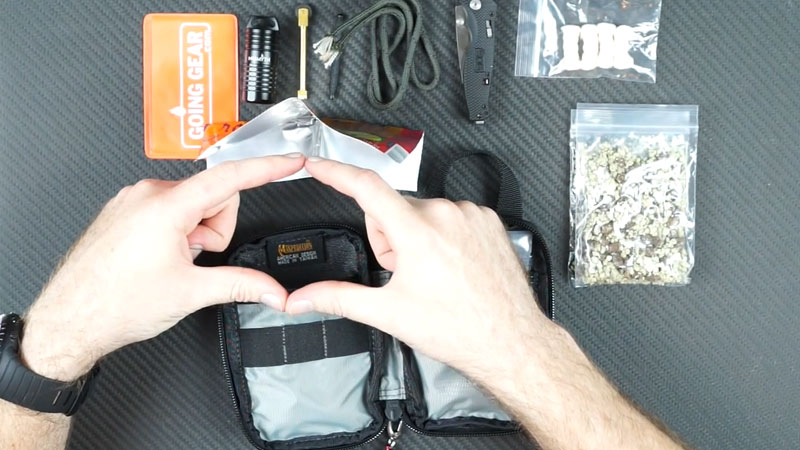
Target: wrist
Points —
{"points": [[521, 353], [49, 349]]}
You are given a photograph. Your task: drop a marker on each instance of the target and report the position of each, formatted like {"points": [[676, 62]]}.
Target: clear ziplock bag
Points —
{"points": [[632, 194], [588, 39]]}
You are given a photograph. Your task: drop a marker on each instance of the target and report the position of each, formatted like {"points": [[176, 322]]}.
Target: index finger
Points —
{"points": [[214, 186], [378, 200]]}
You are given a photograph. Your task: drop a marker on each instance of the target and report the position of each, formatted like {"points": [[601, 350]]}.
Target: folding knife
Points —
{"points": [[475, 21]]}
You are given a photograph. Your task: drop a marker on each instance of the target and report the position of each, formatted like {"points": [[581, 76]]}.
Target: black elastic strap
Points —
{"points": [[293, 344], [509, 197]]}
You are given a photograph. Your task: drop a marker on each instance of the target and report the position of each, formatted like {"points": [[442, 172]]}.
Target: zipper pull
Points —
{"points": [[394, 413], [394, 435]]}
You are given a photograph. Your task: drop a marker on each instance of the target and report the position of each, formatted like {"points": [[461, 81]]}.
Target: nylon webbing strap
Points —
{"points": [[293, 344], [509, 198]]}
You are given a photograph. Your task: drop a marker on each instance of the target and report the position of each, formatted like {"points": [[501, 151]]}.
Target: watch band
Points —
{"points": [[21, 386]]}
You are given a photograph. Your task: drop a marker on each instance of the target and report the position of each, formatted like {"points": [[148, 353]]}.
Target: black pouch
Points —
{"points": [[317, 381]]}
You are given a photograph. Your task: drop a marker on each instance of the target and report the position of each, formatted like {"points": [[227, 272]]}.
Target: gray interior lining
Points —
{"points": [[448, 394], [254, 315], [393, 385], [310, 399]]}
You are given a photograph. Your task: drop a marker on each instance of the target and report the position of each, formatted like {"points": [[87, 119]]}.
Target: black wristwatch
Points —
{"points": [[21, 386]]}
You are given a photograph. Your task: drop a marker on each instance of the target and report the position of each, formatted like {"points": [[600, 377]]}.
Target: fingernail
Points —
{"points": [[272, 301], [198, 247], [300, 307], [294, 155], [314, 159]]}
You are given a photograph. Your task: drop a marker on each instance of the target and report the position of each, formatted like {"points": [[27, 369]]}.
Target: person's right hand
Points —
{"points": [[458, 292], [459, 295]]}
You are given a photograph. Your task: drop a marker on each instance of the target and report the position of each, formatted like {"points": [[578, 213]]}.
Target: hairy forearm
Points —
{"points": [[23, 429], [565, 402]]}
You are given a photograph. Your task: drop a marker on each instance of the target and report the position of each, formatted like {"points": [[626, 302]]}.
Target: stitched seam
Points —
{"points": [[392, 392], [283, 340], [324, 339]]}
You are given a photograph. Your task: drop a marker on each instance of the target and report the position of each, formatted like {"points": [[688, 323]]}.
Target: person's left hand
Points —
{"points": [[131, 276]]}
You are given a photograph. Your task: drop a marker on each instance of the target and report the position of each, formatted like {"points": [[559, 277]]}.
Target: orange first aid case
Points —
{"points": [[190, 80]]}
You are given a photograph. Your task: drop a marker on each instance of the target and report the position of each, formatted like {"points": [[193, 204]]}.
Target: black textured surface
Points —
{"points": [[717, 361]]}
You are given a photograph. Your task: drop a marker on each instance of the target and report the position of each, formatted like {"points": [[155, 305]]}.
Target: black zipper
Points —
{"points": [[463, 435], [229, 378], [368, 441], [405, 423]]}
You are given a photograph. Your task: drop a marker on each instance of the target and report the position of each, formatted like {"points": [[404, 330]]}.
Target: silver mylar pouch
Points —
{"points": [[522, 241]]}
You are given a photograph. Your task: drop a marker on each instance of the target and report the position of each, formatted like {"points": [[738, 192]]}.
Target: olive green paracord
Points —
{"points": [[408, 15]]}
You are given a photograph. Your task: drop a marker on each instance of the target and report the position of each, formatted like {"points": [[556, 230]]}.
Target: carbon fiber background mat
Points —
{"points": [[717, 361]]}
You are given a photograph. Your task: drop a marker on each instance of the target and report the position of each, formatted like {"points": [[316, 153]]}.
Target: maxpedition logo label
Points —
{"points": [[195, 110], [290, 249], [305, 250]]}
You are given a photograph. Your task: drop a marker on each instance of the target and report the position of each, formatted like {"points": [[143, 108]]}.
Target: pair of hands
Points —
{"points": [[457, 293]]}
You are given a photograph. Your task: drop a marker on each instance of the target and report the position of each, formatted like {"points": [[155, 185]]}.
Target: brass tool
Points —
{"points": [[303, 14]]}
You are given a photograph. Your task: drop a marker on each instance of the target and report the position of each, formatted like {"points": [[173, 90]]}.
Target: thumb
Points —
{"points": [[215, 285], [368, 305]]}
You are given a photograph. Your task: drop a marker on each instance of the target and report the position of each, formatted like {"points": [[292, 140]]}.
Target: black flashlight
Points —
{"points": [[258, 78]]}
